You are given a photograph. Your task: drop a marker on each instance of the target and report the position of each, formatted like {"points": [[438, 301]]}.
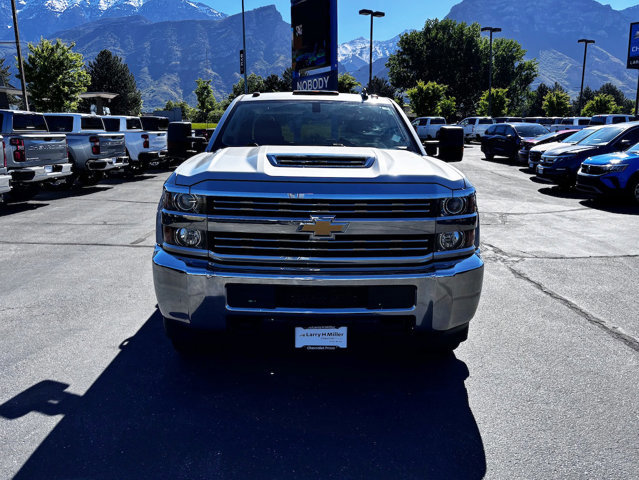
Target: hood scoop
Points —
{"points": [[320, 161]]}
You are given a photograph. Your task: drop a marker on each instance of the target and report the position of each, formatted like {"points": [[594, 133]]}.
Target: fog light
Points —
{"points": [[450, 240], [186, 202], [454, 206], [188, 237]]}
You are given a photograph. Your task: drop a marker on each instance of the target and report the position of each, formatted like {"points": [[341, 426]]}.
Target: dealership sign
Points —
{"points": [[314, 44], [633, 46]]}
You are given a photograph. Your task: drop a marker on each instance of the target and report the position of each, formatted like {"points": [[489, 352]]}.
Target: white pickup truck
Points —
{"points": [[93, 151], [157, 129], [5, 178], [427, 128], [475, 127], [570, 123], [138, 141]]}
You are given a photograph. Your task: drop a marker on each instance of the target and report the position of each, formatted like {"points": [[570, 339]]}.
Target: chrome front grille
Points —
{"points": [[534, 156], [305, 208], [300, 248]]}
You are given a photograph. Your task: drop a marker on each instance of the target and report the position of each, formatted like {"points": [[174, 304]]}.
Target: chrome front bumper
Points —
{"points": [[187, 290]]}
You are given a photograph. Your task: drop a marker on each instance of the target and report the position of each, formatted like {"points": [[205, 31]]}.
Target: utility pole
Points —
{"points": [[243, 46], [490, 68], [20, 64], [370, 58], [585, 41]]}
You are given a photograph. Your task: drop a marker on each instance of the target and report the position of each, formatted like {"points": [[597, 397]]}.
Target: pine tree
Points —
{"points": [[110, 74]]}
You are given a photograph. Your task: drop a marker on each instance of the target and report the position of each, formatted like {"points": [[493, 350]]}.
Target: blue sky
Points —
{"points": [[400, 14]]}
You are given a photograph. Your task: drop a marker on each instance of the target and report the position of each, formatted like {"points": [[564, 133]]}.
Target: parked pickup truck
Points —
{"points": [[570, 123], [32, 155], [157, 128], [317, 217], [138, 141], [428, 127], [5, 178], [92, 150]]}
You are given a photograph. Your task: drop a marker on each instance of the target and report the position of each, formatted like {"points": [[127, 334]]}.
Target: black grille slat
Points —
{"points": [[301, 245], [320, 161], [301, 208]]}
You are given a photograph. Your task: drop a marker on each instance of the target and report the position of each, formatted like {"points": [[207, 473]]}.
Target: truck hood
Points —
{"points": [[547, 146], [617, 157], [252, 164]]}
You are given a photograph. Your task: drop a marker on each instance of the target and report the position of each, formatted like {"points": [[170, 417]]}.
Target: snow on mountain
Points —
{"points": [[42, 17]]}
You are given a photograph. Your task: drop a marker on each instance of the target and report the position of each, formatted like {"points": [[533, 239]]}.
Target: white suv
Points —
{"points": [[475, 127]]}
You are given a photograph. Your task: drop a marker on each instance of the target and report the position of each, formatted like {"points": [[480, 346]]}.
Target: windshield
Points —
{"points": [[602, 136], [111, 124], [546, 136], [315, 123], [29, 122], [530, 130], [59, 124], [155, 124], [91, 123], [578, 136], [597, 121]]}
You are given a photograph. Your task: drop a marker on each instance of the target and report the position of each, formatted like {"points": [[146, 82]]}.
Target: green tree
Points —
{"points": [[110, 74], [534, 106], [588, 95], [626, 105], [382, 87], [556, 104], [346, 83], [425, 98], [206, 102], [602, 103], [510, 71], [455, 54], [55, 76], [275, 83], [447, 108], [188, 112], [255, 84], [500, 102]]}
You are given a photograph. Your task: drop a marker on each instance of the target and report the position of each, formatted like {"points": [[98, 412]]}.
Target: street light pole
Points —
{"points": [[585, 41], [370, 58], [243, 46], [20, 64], [490, 67]]}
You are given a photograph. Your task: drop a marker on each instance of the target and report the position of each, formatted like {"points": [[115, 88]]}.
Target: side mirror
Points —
{"points": [[624, 144]]}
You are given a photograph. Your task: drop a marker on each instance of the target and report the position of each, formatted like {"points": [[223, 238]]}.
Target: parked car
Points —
{"points": [[610, 119], [137, 141], [611, 174], [514, 120], [505, 139], [289, 223], [475, 127], [560, 165], [575, 123], [32, 155], [549, 137], [427, 128], [157, 128], [535, 153], [92, 150], [501, 119], [5, 178]]}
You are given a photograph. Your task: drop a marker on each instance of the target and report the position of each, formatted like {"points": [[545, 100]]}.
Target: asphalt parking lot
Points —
{"points": [[545, 387]]}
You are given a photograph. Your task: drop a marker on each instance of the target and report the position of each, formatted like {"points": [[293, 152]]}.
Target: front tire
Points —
{"points": [[632, 190]]}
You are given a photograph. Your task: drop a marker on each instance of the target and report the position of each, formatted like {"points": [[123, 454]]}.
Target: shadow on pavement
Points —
{"points": [[12, 208], [619, 206], [558, 192], [119, 178], [257, 414], [55, 193]]}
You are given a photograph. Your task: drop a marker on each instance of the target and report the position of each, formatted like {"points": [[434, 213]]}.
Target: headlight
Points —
{"points": [[614, 167], [186, 202], [454, 206], [188, 237], [450, 240], [183, 202], [458, 205]]}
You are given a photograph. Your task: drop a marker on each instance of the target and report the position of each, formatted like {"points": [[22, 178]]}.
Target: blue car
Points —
{"points": [[611, 174], [560, 165]]}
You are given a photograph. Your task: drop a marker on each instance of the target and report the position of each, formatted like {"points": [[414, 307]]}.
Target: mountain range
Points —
{"points": [[170, 43]]}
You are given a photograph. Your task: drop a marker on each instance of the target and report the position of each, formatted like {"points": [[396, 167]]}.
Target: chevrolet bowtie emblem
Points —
{"points": [[323, 227]]}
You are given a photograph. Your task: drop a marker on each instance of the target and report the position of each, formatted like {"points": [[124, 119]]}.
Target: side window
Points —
{"points": [[632, 136], [618, 119], [423, 122], [500, 129], [464, 123], [133, 124], [491, 130]]}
